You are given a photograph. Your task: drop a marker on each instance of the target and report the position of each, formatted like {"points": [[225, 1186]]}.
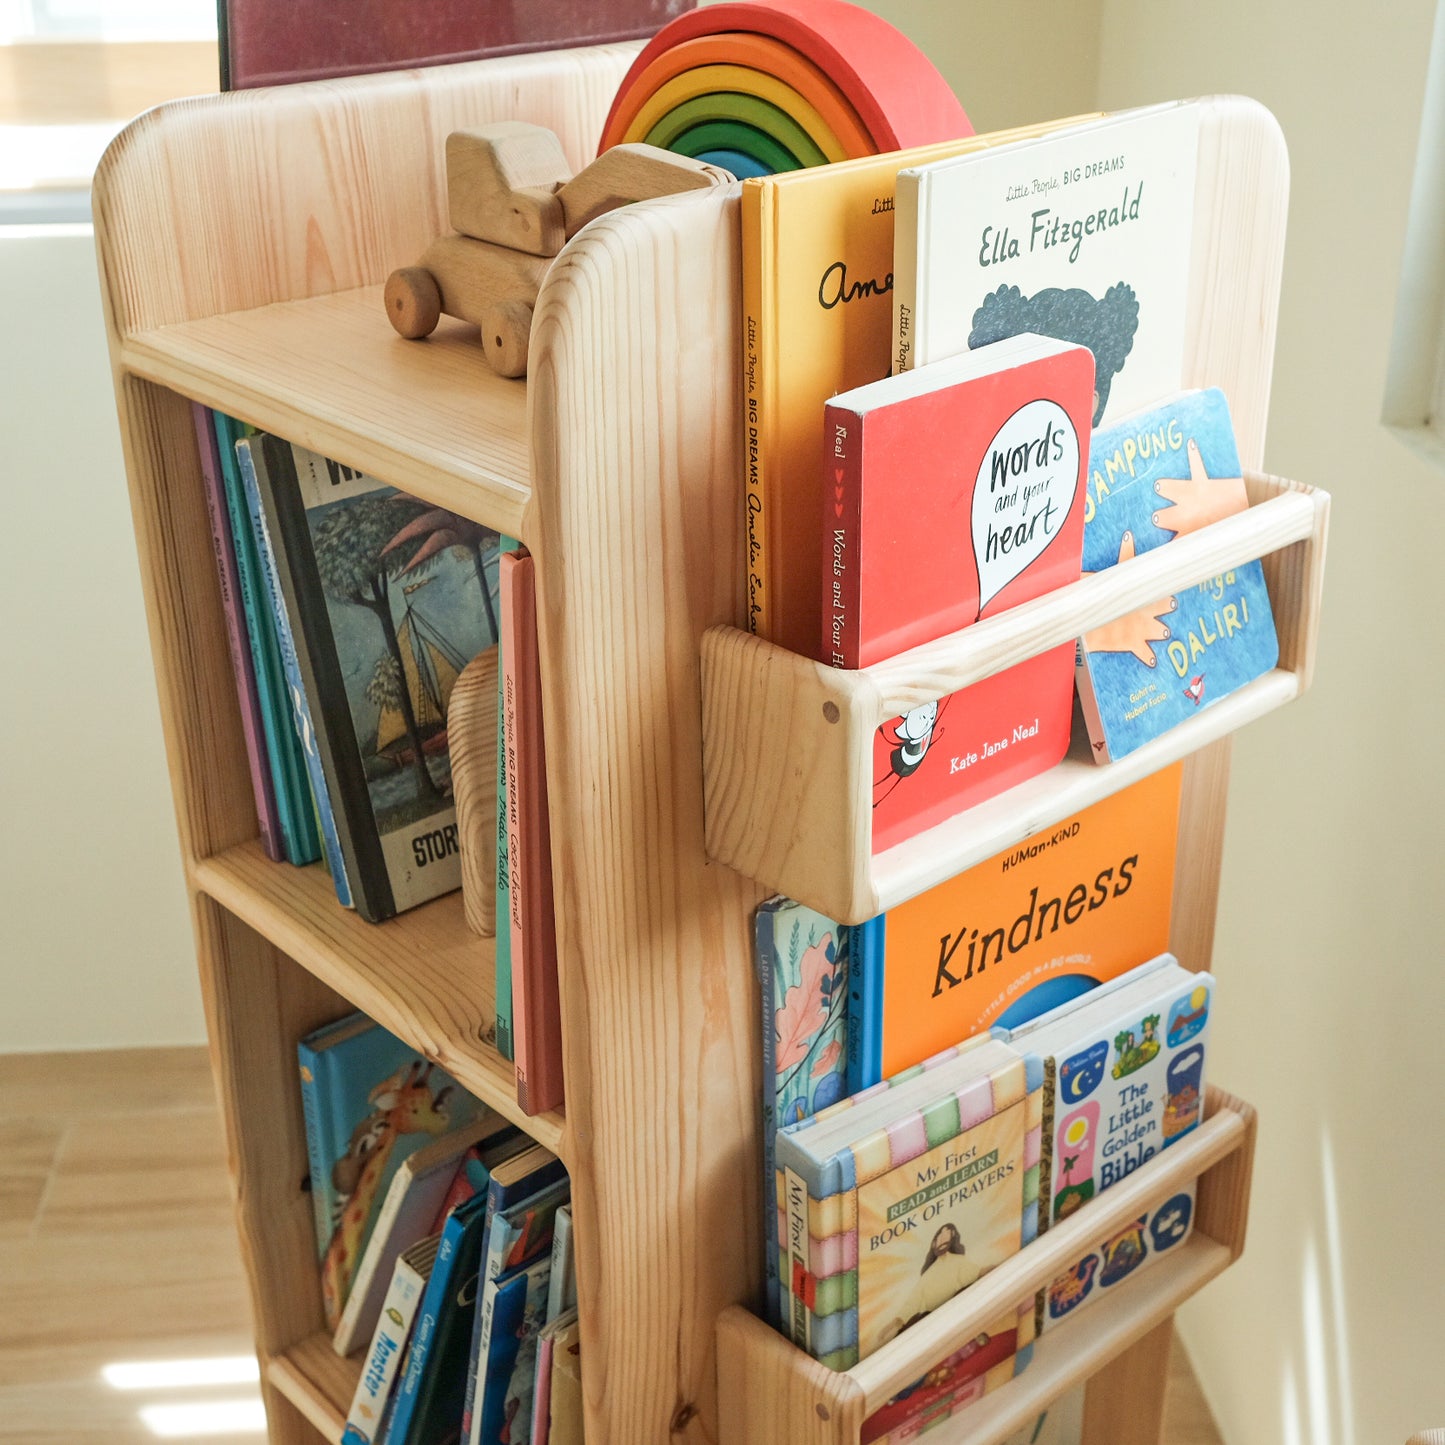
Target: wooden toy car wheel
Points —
{"points": [[506, 328], [413, 302]]}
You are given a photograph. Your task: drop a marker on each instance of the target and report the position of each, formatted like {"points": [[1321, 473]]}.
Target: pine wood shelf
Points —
{"points": [[318, 1382], [430, 416], [423, 974], [790, 1399], [788, 742]]}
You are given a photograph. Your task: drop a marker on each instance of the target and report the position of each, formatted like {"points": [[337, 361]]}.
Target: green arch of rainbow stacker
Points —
{"points": [[763, 87]]}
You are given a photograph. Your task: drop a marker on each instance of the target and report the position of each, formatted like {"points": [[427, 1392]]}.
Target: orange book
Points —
{"points": [[817, 257], [1071, 907], [536, 1007]]}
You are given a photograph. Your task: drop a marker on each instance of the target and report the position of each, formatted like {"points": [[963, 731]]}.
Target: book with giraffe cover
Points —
{"points": [[370, 1102]]}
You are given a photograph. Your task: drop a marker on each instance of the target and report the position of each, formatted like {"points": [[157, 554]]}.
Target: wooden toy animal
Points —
{"points": [[513, 203]]}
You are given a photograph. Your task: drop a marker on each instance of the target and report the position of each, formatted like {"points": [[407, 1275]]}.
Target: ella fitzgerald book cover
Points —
{"points": [[1154, 476]]}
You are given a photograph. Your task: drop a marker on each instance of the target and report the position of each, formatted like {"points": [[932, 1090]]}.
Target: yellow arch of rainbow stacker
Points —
{"points": [[707, 80], [751, 52]]}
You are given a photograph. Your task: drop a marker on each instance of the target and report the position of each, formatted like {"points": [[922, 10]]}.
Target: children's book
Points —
{"points": [[954, 492], [1137, 1245], [522, 1232], [1077, 904], [389, 599], [803, 976], [562, 1287], [817, 259], [474, 1172], [514, 1308], [546, 1352], [390, 1333], [429, 1396], [1154, 476], [242, 666], [1084, 235], [504, 909], [302, 720], [370, 1101], [406, 1215], [292, 792], [524, 1175], [871, 1249], [536, 1004], [565, 1424]]}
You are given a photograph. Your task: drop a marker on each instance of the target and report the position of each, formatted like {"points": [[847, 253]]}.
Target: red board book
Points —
{"points": [[953, 492], [536, 1007]]}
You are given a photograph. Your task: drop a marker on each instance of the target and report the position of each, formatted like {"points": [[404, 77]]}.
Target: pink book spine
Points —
{"points": [[230, 581], [542, 1393]]}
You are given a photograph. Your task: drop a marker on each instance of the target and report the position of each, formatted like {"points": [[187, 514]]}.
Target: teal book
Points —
{"points": [[802, 964], [370, 1101], [429, 1396], [1154, 476], [389, 599], [503, 955], [300, 840]]}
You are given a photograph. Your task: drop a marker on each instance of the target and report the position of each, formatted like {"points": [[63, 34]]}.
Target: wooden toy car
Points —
{"points": [[513, 204]]}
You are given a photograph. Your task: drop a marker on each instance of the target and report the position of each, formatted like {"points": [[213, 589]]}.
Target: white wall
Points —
{"points": [[96, 944], [1333, 905]]}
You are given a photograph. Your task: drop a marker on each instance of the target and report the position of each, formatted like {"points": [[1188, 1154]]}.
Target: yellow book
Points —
{"points": [[817, 250]]}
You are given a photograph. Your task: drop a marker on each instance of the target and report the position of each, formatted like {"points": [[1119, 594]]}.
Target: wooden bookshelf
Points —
{"points": [[243, 239]]}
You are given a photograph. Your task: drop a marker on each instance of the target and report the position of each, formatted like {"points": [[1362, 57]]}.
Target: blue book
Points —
{"points": [[505, 1046], [370, 1101], [429, 1395], [514, 1309], [1154, 476], [283, 747], [300, 704], [802, 963]]}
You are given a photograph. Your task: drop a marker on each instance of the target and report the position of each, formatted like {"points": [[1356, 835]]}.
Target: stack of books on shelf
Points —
{"points": [[444, 1239], [945, 1082], [352, 609]]}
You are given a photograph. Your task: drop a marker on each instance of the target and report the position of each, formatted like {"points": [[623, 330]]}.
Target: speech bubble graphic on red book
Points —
{"points": [[1025, 488]]}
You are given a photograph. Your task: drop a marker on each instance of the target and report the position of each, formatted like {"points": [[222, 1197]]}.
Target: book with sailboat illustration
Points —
{"points": [[388, 599]]}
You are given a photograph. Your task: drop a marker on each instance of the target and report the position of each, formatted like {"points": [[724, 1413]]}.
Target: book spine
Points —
{"points": [[322, 680], [383, 1359], [867, 944], [766, 942], [560, 1287], [505, 1022], [905, 272], [1089, 704], [756, 411], [536, 1008], [542, 1391], [309, 1064], [407, 1393], [252, 726], [477, 1365], [800, 1314], [842, 508], [287, 781], [290, 664]]}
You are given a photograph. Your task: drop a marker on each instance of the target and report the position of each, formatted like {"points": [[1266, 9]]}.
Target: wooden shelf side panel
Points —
{"points": [[229, 202]]}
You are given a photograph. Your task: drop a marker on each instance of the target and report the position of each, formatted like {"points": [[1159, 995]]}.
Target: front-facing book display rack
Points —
{"points": [[243, 240]]}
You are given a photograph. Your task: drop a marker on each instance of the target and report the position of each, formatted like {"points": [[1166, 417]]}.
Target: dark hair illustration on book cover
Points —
{"points": [[410, 596], [1106, 325]]}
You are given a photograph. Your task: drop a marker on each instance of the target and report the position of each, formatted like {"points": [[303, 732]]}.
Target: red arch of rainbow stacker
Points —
{"points": [[786, 84]]}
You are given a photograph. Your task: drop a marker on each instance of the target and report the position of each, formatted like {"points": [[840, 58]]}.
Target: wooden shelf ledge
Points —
{"points": [[788, 742], [423, 975], [430, 417], [318, 1381], [787, 1397]]}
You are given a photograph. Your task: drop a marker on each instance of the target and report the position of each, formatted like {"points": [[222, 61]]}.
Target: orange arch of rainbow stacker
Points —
{"points": [[754, 65], [867, 82]]}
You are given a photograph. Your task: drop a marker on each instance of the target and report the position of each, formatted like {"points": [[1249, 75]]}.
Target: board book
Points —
{"points": [[370, 1101], [389, 599], [513, 1311], [817, 272], [1153, 476], [899, 1198], [407, 1214], [1084, 235], [954, 492], [1017, 935], [390, 1334], [802, 963], [503, 938], [536, 1002], [562, 1287]]}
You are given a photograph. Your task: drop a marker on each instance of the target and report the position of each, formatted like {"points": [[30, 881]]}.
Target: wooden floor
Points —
{"points": [[117, 1247]]}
